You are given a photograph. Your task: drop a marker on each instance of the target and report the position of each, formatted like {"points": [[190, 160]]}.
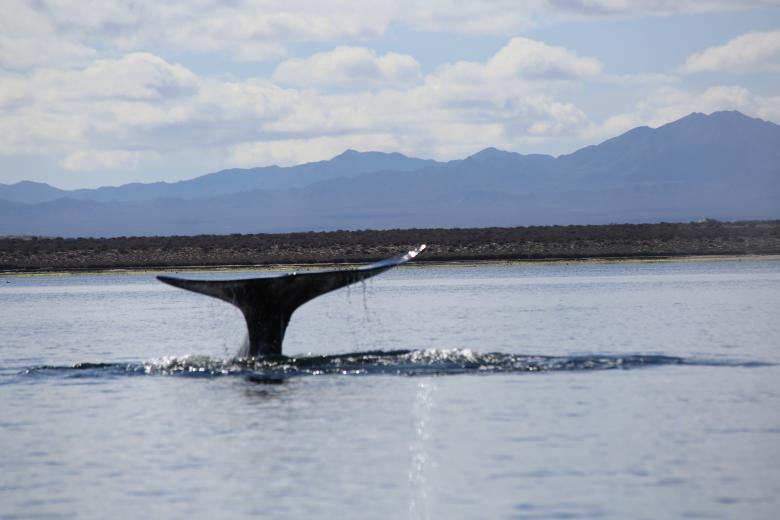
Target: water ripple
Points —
{"points": [[379, 362]]}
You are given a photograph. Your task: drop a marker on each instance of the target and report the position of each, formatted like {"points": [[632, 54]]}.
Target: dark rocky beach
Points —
{"points": [[538, 243]]}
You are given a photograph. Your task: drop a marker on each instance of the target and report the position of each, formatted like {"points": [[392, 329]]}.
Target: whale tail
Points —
{"points": [[268, 303]]}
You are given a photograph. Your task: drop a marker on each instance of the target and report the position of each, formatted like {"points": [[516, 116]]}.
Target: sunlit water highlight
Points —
{"points": [[402, 362]]}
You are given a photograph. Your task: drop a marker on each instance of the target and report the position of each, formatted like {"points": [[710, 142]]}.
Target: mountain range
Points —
{"points": [[724, 165]]}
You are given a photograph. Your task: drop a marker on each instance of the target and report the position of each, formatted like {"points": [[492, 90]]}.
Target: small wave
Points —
{"points": [[395, 362]]}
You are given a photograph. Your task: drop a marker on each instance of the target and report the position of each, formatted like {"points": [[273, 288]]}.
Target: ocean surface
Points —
{"points": [[549, 391]]}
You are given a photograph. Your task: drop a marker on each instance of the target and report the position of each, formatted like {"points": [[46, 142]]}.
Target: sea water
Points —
{"points": [[580, 390]]}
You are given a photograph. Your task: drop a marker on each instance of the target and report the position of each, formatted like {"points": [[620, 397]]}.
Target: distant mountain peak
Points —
{"points": [[738, 117], [734, 114], [351, 153], [719, 117], [492, 153], [726, 125]]}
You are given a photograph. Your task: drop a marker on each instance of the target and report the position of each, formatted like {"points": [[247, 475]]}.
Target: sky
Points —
{"points": [[96, 93]]}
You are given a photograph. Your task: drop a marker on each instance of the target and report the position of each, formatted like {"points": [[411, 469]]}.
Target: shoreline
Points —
{"points": [[706, 239], [417, 264]]}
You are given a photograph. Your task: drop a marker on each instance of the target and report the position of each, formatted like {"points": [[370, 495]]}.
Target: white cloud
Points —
{"points": [[351, 66], [54, 110], [671, 103], [124, 108], [89, 160], [612, 126], [642, 7], [138, 100], [251, 31], [29, 39], [640, 79], [22, 53], [529, 59], [241, 29], [501, 99], [287, 152], [48, 32], [133, 76], [501, 17], [733, 97], [506, 17], [525, 60], [123, 112], [561, 119], [752, 52]]}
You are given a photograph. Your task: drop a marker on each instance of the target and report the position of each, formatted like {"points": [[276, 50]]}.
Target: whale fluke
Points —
{"points": [[267, 303]]}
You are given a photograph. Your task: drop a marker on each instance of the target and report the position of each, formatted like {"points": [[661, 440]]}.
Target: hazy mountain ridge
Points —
{"points": [[724, 165], [224, 182]]}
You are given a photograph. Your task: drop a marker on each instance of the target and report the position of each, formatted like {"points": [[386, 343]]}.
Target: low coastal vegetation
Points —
{"points": [[707, 237]]}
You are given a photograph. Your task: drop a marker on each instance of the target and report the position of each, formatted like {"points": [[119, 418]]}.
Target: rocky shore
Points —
{"points": [[709, 237]]}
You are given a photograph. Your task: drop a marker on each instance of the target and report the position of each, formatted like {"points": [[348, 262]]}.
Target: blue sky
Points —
{"points": [[106, 93]]}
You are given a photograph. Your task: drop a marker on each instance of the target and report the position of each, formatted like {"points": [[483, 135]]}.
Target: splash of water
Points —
{"points": [[378, 362]]}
